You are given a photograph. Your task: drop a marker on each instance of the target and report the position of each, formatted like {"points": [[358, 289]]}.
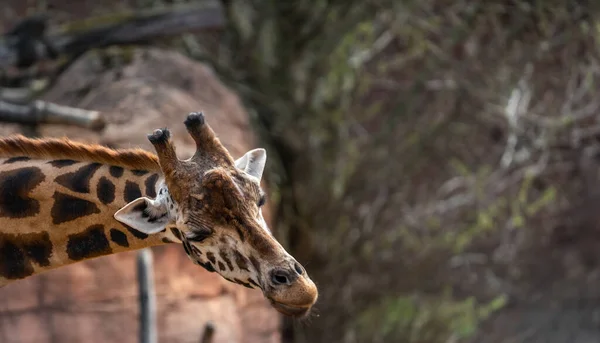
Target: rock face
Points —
{"points": [[96, 301]]}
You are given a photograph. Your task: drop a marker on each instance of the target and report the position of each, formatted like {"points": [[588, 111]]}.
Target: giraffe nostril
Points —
{"points": [[298, 268]]}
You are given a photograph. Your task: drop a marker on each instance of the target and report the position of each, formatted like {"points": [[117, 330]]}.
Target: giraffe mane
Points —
{"points": [[64, 148]]}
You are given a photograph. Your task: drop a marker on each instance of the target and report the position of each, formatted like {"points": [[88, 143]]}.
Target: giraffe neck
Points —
{"points": [[57, 212]]}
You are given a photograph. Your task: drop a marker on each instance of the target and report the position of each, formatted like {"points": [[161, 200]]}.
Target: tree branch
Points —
{"points": [[42, 112]]}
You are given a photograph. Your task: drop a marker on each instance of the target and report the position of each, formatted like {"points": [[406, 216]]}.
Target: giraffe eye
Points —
{"points": [[262, 200], [199, 236]]}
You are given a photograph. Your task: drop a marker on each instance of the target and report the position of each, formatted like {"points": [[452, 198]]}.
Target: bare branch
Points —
{"points": [[42, 112]]}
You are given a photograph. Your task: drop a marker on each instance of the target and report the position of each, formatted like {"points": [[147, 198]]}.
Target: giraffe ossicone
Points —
{"points": [[62, 202]]}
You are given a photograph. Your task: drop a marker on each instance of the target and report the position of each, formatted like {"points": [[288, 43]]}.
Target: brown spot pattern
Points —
{"points": [[17, 159], [119, 237], [67, 207], [176, 233], [150, 184], [105, 191], [79, 180], [211, 257], [13, 261], [15, 187], [92, 242], [62, 163], [115, 171], [224, 257], [240, 260], [132, 191], [255, 264], [18, 252], [137, 234], [240, 282]]}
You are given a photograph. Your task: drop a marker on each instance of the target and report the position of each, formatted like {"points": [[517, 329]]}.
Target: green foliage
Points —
{"points": [[485, 219], [417, 319], [495, 213], [115, 56], [347, 118]]}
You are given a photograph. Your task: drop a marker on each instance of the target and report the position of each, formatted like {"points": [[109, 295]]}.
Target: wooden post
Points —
{"points": [[209, 332], [147, 296]]}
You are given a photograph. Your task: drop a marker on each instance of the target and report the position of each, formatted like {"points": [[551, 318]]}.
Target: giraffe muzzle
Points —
{"points": [[290, 310], [291, 291]]}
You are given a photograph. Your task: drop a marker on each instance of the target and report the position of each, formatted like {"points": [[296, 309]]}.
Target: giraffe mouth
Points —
{"points": [[291, 310]]}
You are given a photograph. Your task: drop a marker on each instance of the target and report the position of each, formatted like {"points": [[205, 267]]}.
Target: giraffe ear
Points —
{"points": [[144, 215], [253, 162]]}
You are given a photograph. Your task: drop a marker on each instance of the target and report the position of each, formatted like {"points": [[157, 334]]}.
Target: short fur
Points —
{"points": [[63, 148], [56, 209]]}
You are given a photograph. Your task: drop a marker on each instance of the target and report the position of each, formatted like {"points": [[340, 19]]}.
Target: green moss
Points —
{"points": [[413, 319], [121, 16], [544, 200], [96, 22]]}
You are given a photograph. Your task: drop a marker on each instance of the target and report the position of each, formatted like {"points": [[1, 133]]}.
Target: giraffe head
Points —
{"points": [[212, 205]]}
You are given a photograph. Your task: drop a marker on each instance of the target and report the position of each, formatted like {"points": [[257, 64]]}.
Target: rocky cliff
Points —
{"points": [[96, 301]]}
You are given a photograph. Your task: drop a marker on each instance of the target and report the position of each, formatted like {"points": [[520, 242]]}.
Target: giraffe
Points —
{"points": [[62, 202]]}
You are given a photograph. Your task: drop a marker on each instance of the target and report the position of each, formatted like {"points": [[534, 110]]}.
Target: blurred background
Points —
{"points": [[433, 164]]}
